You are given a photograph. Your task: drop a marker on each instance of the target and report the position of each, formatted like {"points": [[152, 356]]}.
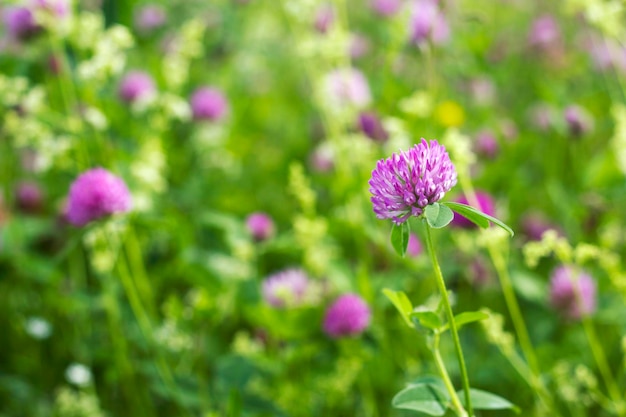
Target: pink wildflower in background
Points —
{"points": [[386, 8], [324, 18], [402, 185], [428, 23], [96, 194], [572, 292], [347, 87], [20, 23], [29, 196], [135, 86], [349, 315], [149, 18], [260, 226], [414, 248], [208, 103], [288, 288], [578, 120], [371, 126]]}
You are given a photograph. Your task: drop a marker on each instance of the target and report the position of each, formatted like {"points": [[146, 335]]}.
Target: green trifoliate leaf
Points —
{"points": [[425, 398], [467, 317], [427, 318], [401, 302], [476, 216], [438, 215], [483, 400], [400, 237]]}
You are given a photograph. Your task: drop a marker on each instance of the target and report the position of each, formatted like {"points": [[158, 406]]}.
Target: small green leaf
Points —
{"points": [[425, 398], [438, 216], [476, 216], [427, 318], [469, 317], [483, 400], [400, 237], [401, 302]]}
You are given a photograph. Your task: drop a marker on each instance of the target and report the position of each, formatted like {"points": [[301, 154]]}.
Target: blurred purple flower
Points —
{"points": [[414, 248], [324, 18], [359, 46], [135, 86], [572, 292], [349, 315], [486, 144], [29, 196], [486, 205], [386, 8], [607, 53], [428, 23], [260, 226], [20, 23], [149, 18], [322, 158], [287, 288], [578, 120], [403, 184], [208, 103], [544, 32], [370, 125], [534, 225], [95, 194], [348, 87]]}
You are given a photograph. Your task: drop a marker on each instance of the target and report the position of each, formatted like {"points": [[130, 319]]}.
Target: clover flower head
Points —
{"points": [[349, 315], [208, 103], [428, 23], [405, 183], [149, 18], [96, 194], [20, 22], [29, 196], [135, 86], [347, 87], [572, 292], [543, 31], [386, 8], [371, 126], [260, 226], [287, 288]]}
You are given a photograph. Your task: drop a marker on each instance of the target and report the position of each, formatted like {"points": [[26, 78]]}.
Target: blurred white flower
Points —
{"points": [[38, 328], [78, 374]]}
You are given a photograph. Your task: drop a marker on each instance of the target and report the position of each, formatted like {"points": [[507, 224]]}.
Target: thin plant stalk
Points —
{"points": [[453, 329], [443, 373], [513, 307]]}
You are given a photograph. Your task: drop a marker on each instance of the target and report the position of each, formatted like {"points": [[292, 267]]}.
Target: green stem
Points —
{"points": [[443, 372], [603, 366], [533, 378], [455, 335]]}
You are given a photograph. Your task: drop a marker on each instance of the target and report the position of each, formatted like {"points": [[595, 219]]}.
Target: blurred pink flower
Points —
{"points": [[324, 18], [428, 23], [572, 292], [208, 103], [260, 226], [135, 86], [544, 32], [347, 87], [96, 194], [386, 8], [149, 17], [349, 315], [287, 288]]}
